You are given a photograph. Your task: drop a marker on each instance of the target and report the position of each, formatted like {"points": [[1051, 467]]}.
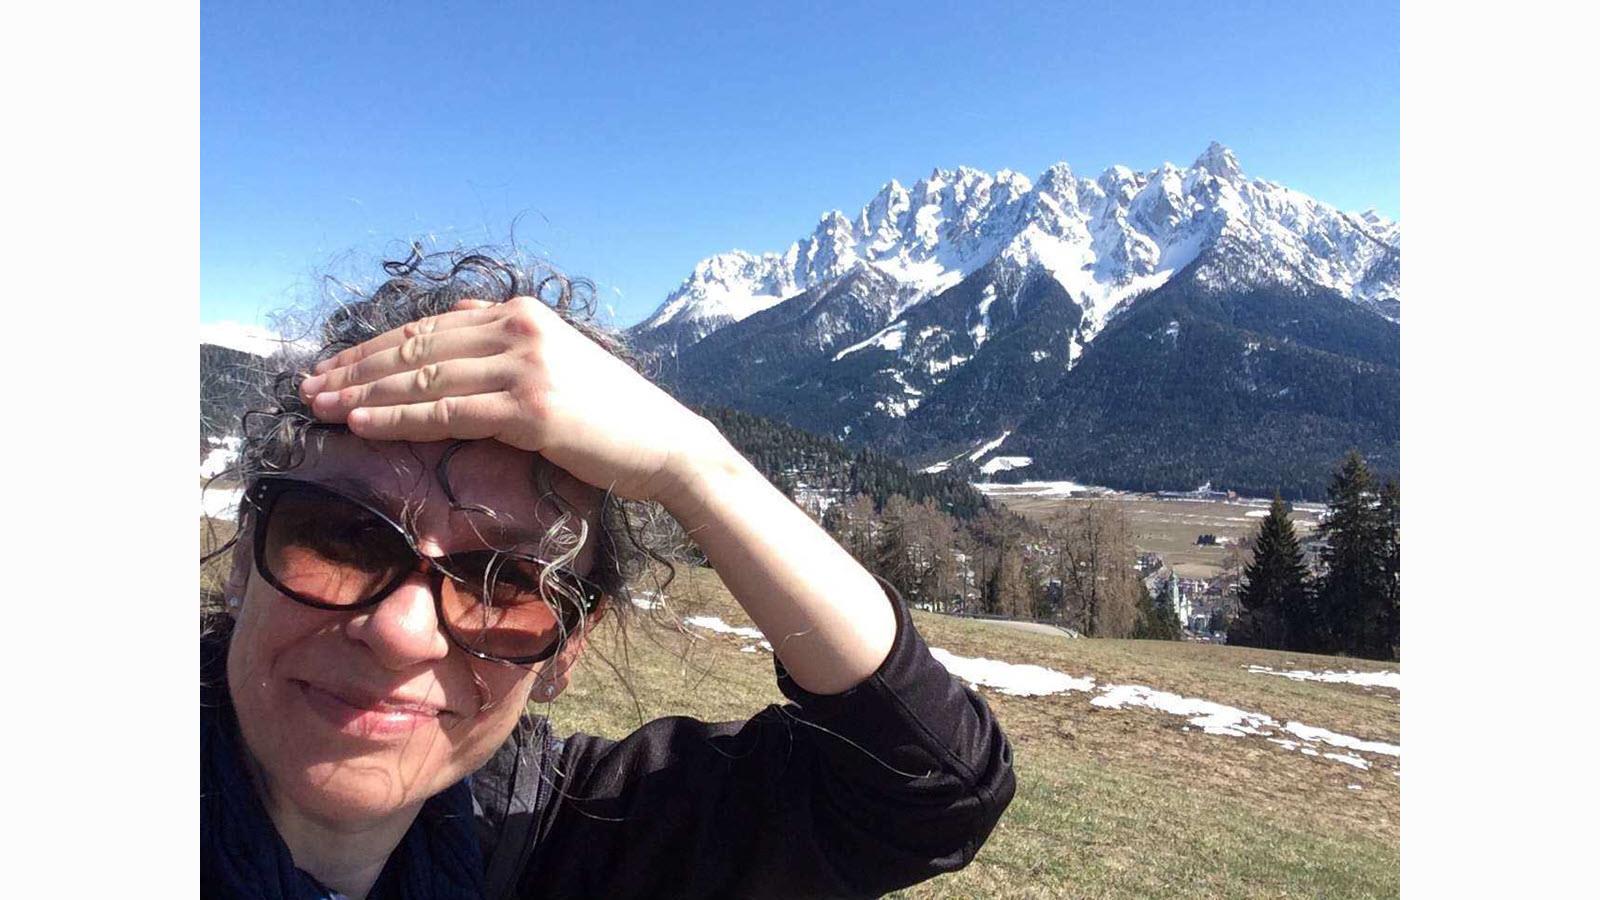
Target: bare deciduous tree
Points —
{"points": [[1094, 559]]}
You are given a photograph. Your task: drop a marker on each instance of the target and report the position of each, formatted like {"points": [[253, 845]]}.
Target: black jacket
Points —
{"points": [[853, 795]]}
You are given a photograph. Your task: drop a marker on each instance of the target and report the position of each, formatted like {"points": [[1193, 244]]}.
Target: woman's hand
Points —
{"points": [[517, 373]]}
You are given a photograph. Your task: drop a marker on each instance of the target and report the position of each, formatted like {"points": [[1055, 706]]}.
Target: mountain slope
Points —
{"points": [[1257, 391]]}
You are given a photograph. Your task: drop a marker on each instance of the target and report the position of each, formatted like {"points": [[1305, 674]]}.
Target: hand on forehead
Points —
{"points": [[481, 474]]}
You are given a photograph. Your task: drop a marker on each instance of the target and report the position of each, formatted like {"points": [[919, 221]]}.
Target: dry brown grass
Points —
{"points": [[1110, 803]]}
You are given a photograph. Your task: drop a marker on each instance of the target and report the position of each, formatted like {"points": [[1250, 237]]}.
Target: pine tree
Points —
{"points": [[1351, 594], [1274, 599], [1389, 506], [1219, 623]]}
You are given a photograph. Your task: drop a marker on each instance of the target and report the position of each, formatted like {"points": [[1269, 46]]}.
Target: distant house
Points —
{"points": [[1203, 492]]}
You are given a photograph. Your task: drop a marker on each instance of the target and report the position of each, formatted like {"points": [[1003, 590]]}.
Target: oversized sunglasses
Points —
{"points": [[331, 551]]}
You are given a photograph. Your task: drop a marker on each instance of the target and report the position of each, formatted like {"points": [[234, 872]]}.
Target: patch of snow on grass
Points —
{"points": [[1010, 678], [712, 623], [1210, 717], [219, 503], [219, 456], [1348, 759], [1213, 718], [1324, 736], [1365, 679]]}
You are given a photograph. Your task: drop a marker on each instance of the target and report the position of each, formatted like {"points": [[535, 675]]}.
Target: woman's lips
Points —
{"points": [[361, 716]]}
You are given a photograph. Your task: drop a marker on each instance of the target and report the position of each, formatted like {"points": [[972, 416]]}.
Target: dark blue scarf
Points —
{"points": [[241, 854]]}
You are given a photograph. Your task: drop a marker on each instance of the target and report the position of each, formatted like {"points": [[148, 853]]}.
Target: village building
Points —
{"points": [[1177, 601]]}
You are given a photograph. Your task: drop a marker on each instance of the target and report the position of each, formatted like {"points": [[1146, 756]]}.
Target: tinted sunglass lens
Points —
{"points": [[496, 606], [331, 550]]}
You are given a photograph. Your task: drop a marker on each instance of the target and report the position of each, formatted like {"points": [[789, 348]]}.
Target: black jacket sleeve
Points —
{"points": [[851, 795]]}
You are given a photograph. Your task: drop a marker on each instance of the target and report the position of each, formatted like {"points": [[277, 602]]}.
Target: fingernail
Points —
{"points": [[311, 385], [326, 398], [358, 418]]}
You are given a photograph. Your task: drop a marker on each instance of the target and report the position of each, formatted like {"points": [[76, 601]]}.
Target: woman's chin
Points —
{"points": [[351, 792]]}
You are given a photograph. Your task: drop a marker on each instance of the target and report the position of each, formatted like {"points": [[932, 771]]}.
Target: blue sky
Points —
{"points": [[629, 140]]}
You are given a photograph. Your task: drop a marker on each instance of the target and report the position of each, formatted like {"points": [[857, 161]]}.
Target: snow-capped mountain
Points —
{"points": [[1153, 329], [1103, 239]]}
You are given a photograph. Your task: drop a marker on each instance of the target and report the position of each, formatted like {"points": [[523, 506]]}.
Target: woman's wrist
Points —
{"points": [[704, 463]]}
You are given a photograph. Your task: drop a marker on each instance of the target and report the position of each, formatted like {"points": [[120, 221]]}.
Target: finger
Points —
{"points": [[409, 355], [476, 304], [471, 418], [394, 337], [455, 377]]}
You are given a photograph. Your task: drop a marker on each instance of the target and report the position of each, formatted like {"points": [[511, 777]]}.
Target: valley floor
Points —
{"points": [[1165, 526]]}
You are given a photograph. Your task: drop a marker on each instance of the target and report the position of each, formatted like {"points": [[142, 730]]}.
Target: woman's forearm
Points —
{"points": [[826, 617]]}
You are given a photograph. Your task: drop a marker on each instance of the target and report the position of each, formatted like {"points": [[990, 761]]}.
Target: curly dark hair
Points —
{"points": [[635, 541]]}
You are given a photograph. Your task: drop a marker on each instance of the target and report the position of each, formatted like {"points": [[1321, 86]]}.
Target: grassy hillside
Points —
{"points": [[1110, 803]]}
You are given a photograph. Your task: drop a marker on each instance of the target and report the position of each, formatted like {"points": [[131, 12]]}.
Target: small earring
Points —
{"points": [[234, 602], [548, 691]]}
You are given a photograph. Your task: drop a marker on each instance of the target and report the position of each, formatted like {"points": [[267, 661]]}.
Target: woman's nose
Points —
{"points": [[403, 629]]}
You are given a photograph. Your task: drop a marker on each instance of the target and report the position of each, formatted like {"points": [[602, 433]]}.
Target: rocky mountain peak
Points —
{"points": [[1219, 161], [1103, 239]]}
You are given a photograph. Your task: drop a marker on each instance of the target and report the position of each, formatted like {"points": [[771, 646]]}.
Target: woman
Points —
{"points": [[436, 514]]}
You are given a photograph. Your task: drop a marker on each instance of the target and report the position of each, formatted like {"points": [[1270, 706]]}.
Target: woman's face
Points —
{"points": [[355, 716]]}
